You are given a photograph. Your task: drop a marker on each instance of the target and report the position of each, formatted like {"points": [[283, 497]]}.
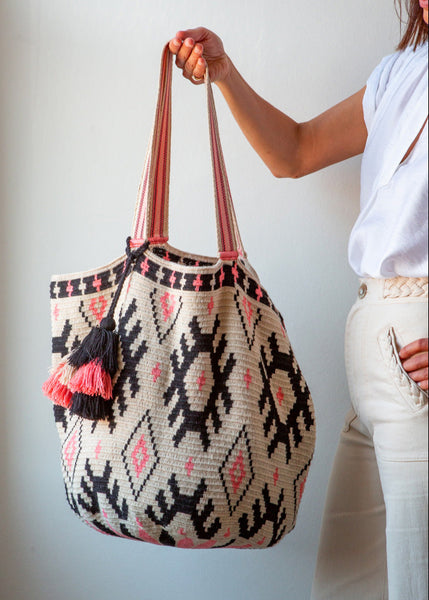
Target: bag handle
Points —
{"points": [[151, 213]]}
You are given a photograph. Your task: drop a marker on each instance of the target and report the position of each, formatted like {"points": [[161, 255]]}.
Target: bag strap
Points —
{"points": [[151, 213]]}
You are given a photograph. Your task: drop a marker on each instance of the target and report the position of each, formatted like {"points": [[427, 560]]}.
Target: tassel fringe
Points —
{"points": [[90, 407], [56, 389], [92, 380]]}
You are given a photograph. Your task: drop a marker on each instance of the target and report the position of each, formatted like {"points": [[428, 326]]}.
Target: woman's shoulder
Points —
{"points": [[394, 64], [404, 65]]}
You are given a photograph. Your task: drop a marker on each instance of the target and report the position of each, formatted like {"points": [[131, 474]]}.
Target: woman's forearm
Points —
{"points": [[275, 136], [288, 148]]}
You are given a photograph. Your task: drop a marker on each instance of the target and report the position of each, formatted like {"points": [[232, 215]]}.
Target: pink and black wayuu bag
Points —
{"points": [[183, 415]]}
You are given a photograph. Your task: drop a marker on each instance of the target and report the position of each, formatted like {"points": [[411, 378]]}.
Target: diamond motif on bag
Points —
{"points": [[165, 311], [140, 456], [250, 316], [236, 471], [97, 307], [71, 449]]}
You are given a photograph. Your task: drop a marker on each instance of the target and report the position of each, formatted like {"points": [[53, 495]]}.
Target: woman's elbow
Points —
{"points": [[287, 171]]}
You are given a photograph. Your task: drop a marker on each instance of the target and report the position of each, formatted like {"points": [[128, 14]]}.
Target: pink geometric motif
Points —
{"points": [[156, 372], [56, 312], [145, 536], [201, 381], [280, 396], [197, 283], [189, 466], [97, 307], [248, 310], [301, 488], [70, 450], [235, 272], [248, 378], [98, 449], [222, 276], [145, 266], [210, 305], [259, 293], [173, 278], [276, 476], [186, 542], [140, 456], [237, 472], [168, 302], [97, 283], [69, 288]]}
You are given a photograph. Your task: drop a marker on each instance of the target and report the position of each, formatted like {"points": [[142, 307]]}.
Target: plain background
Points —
{"points": [[78, 91]]}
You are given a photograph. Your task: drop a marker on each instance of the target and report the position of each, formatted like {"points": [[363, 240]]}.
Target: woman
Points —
{"points": [[374, 535]]}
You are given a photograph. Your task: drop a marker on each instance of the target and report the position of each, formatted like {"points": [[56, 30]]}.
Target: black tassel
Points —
{"points": [[91, 407], [101, 342]]}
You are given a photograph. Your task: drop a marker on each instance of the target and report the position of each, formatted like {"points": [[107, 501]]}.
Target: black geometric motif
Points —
{"points": [[103, 281], [258, 316], [59, 343], [273, 512], [101, 485], [232, 505], [65, 291], [60, 415], [205, 282], [169, 281], [131, 358], [139, 459], [153, 300], [186, 505], [284, 362], [195, 420]]}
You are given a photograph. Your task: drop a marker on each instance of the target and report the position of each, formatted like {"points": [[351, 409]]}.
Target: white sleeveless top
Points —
{"points": [[390, 236]]}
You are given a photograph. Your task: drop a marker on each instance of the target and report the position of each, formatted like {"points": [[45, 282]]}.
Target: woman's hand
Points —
{"points": [[415, 359], [196, 49]]}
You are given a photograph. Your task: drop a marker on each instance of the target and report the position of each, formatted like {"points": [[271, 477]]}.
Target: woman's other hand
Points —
{"points": [[415, 359], [196, 49]]}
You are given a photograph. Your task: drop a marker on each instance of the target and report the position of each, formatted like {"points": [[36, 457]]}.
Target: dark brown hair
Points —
{"points": [[416, 31]]}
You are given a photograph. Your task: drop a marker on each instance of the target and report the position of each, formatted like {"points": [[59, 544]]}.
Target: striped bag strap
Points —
{"points": [[151, 214]]}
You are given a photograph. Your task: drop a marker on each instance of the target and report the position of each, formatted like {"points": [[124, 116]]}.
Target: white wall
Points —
{"points": [[78, 84]]}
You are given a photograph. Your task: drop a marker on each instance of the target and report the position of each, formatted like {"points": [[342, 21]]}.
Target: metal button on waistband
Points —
{"points": [[363, 290]]}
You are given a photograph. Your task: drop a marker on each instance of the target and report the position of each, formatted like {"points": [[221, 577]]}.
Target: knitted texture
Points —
{"points": [[212, 431]]}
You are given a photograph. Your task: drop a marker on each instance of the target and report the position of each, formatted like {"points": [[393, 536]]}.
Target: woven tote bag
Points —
{"points": [[183, 416]]}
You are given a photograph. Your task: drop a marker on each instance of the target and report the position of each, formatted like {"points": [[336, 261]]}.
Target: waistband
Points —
{"points": [[395, 288]]}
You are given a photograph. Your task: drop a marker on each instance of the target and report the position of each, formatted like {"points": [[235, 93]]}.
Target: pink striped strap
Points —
{"points": [[151, 214]]}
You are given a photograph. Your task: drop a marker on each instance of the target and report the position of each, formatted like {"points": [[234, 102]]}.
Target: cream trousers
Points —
{"points": [[374, 542]]}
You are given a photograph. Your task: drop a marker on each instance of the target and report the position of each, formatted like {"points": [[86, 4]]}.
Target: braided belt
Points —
{"points": [[403, 287]]}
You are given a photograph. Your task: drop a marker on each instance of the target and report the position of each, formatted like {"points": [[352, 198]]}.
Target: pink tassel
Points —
{"points": [[91, 379], [55, 389]]}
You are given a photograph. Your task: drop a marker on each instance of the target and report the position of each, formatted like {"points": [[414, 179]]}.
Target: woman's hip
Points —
{"points": [[387, 315]]}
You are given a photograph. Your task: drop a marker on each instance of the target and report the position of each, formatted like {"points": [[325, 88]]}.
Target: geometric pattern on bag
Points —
{"points": [[211, 431]]}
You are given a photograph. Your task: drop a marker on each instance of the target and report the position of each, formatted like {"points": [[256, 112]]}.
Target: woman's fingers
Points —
{"points": [[419, 375], [184, 52], [421, 345], [189, 58], [418, 361], [415, 360], [195, 66]]}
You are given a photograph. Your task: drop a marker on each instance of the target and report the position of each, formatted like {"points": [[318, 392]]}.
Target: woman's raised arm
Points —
{"points": [[288, 148]]}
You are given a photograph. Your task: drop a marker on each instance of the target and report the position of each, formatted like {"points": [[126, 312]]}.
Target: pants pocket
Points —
{"points": [[414, 396]]}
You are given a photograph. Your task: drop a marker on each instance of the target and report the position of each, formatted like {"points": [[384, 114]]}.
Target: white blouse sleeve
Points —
{"points": [[376, 86]]}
